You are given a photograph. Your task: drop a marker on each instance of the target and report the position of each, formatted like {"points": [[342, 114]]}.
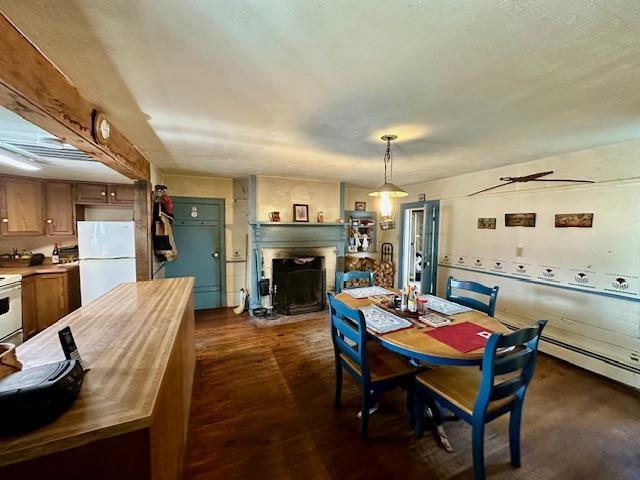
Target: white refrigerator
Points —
{"points": [[107, 257]]}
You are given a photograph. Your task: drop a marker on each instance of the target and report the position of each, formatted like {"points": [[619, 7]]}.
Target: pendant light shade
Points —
{"points": [[388, 192]]}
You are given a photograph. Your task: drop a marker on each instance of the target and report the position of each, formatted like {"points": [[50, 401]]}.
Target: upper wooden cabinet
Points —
{"points": [[91, 193], [121, 194], [21, 207], [59, 209], [101, 194]]}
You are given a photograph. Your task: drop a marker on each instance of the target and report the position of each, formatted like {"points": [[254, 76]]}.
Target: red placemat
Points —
{"points": [[461, 336]]}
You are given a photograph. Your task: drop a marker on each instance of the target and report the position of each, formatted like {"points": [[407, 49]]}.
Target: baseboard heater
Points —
{"points": [[582, 351]]}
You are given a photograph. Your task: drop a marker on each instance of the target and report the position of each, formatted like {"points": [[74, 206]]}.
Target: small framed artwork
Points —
{"points": [[519, 219], [300, 212], [487, 223], [422, 197], [361, 206], [584, 220]]}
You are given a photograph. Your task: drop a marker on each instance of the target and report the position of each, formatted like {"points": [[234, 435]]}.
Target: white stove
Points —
{"points": [[9, 279], [11, 308]]}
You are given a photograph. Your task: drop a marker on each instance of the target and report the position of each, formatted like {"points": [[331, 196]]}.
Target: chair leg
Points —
{"points": [[364, 415], [515, 418], [338, 394], [411, 417], [477, 442], [418, 408]]}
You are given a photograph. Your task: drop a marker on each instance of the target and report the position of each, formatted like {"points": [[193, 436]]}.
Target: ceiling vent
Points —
{"points": [[50, 152]]}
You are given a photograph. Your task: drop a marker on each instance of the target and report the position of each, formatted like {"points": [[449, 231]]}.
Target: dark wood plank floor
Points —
{"points": [[262, 409]]}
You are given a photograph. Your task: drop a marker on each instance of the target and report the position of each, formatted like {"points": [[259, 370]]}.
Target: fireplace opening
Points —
{"points": [[299, 284]]}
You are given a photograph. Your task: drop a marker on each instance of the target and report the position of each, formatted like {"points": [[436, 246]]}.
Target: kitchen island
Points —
{"points": [[130, 419]]}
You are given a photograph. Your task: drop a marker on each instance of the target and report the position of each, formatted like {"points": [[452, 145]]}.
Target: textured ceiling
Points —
{"points": [[302, 88]]}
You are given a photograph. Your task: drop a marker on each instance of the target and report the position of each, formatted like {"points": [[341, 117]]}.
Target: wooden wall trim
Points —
{"points": [[142, 213], [32, 87]]}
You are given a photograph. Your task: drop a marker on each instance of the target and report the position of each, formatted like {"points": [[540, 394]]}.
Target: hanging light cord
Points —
{"points": [[387, 160]]}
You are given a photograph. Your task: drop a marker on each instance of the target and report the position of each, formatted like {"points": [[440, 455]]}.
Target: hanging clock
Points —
{"points": [[101, 128]]}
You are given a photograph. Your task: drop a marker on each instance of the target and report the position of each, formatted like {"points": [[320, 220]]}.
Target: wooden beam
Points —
{"points": [[32, 87], [142, 212]]}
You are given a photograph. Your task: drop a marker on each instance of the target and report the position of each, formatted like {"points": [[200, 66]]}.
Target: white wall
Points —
{"points": [[609, 327], [97, 213]]}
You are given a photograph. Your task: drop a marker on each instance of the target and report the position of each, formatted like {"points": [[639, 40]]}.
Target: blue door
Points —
{"points": [[199, 235]]}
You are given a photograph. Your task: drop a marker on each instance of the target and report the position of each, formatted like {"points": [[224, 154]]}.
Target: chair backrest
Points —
{"points": [[492, 293], [344, 277], [349, 324], [516, 364]]}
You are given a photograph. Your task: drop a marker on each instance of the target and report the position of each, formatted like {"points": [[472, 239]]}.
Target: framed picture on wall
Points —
{"points": [[361, 206], [300, 212]]}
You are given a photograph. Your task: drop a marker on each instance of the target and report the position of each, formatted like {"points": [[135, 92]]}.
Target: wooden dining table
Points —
{"points": [[413, 343]]}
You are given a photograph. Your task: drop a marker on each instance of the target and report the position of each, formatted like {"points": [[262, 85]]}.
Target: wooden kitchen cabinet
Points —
{"points": [[29, 312], [59, 209], [57, 295], [91, 193], [121, 194], [21, 207], [47, 296]]}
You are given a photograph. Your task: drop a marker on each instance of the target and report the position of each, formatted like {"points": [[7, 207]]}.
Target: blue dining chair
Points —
{"points": [[373, 366], [492, 293], [479, 396], [344, 277]]}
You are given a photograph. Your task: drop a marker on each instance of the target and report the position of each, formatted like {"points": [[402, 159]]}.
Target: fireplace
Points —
{"points": [[299, 284]]}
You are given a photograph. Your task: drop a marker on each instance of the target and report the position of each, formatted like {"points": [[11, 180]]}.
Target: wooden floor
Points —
{"points": [[262, 409]]}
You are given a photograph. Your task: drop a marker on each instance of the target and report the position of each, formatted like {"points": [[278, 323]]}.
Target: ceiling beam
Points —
{"points": [[32, 87]]}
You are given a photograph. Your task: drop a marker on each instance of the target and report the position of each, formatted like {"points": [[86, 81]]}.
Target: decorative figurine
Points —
{"points": [[365, 242]]}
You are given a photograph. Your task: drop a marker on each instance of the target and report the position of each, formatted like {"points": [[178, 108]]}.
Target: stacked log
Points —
{"points": [[383, 272]]}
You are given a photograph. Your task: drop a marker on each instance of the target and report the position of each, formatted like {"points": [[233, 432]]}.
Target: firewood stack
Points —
{"points": [[382, 271]]}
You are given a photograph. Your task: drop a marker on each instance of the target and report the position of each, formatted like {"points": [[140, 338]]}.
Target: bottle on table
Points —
{"points": [[55, 256], [413, 300], [405, 299]]}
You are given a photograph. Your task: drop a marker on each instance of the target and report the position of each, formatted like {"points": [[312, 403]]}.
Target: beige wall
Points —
{"points": [[603, 325], [279, 194]]}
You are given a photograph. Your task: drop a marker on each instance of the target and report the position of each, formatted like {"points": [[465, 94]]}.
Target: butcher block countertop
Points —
{"points": [[127, 338], [39, 269]]}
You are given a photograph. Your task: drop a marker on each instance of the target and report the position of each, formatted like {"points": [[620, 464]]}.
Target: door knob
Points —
{"points": [[216, 254]]}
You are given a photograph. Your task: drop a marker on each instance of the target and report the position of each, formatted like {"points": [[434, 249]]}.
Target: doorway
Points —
{"points": [[419, 245], [199, 234]]}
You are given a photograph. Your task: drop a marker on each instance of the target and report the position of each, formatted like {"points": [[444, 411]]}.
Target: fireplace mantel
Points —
{"points": [[291, 235]]}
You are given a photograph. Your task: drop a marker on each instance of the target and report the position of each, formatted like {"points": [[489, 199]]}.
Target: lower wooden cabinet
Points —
{"points": [[46, 298], [29, 316]]}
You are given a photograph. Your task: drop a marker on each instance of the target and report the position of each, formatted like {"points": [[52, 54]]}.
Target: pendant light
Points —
{"points": [[388, 192]]}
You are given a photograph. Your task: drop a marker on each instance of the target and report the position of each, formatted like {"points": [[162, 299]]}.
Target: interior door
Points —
{"points": [[419, 245], [198, 231]]}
